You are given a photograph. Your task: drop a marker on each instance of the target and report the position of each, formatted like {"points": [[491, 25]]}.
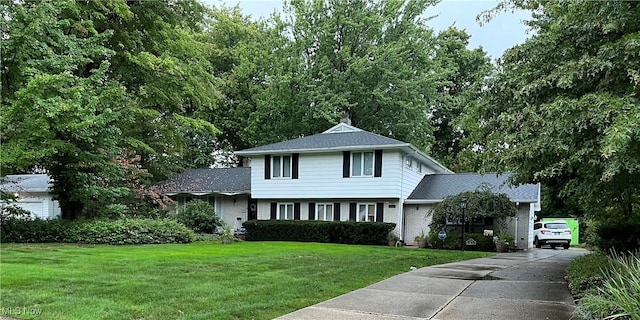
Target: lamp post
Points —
{"points": [[463, 206]]}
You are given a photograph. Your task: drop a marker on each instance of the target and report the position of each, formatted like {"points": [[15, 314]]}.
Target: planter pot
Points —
{"points": [[422, 243], [501, 246]]}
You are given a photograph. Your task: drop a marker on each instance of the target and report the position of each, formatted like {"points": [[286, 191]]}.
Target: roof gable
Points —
{"points": [[436, 187], [209, 180], [339, 137]]}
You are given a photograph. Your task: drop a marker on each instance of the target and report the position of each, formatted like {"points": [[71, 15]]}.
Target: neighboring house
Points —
{"points": [[225, 189], [434, 188], [32, 194]]}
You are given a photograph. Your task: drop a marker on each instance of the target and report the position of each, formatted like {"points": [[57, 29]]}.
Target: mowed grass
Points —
{"points": [[247, 280]]}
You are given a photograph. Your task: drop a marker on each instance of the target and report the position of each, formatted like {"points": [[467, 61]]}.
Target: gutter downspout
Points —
{"points": [[517, 220]]}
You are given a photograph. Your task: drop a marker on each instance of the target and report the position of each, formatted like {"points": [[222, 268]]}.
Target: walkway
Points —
{"points": [[523, 285]]}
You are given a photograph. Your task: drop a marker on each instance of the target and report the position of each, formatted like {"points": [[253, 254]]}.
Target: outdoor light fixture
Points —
{"points": [[463, 206]]}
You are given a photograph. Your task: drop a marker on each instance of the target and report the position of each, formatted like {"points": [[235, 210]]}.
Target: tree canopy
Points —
{"points": [[479, 204], [563, 107]]}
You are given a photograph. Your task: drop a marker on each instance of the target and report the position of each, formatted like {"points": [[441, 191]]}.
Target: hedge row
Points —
{"points": [[115, 232], [346, 232], [452, 242]]}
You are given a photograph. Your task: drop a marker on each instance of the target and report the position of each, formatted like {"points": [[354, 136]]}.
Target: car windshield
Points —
{"points": [[556, 226]]}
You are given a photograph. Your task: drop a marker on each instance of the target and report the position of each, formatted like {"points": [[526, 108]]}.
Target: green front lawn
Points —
{"points": [[247, 280]]}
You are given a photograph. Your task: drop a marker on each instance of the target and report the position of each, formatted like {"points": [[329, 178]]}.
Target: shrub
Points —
{"points": [[124, 231], [452, 241], [347, 232], [620, 237], [130, 231], [617, 297], [199, 216], [33, 230]]}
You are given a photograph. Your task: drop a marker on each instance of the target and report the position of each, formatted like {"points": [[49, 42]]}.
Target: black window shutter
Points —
{"points": [[312, 210], [274, 210], [377, 171], [379, 212], [346, 164], [294, 159], [296, 211], [353, 207], [267, 166], [336, 211]]}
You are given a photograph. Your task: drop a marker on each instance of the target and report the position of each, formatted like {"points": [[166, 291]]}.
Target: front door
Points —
{"points": [[252, 210]]}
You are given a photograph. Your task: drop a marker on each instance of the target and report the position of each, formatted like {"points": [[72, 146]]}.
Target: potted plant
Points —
{"points": [[421, 239], [502, 241], [392, 239]]}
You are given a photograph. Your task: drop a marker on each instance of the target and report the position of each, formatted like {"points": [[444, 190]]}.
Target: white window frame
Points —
{"points": [[277, 162], [288, 211], [328, 214], [362, 172], [367, 213], [409, 162]]}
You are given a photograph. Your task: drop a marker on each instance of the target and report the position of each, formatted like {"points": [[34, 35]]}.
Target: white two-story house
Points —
{"points": [[346, 173]]}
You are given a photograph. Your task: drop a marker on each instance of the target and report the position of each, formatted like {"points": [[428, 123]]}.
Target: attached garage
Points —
{"points": [[32, 194]]}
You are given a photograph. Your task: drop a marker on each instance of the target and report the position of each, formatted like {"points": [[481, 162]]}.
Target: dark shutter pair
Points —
{"points": [[296, 210], [336, 211], [294, 166], [353, 211], [346, 164]]}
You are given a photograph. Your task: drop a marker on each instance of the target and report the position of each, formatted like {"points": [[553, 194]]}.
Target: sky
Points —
{"points": [[501, 33]]}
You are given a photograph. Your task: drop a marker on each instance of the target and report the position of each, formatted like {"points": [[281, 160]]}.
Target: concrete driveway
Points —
{"points": [[522, 285]]}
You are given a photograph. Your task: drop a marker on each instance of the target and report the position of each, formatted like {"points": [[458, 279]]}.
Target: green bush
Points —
{"points": [[130, 231], [617, 296], [585, 273], [347, 232], [452, 241], [124, 231], [33, 231], [199, 216], [619, 237]]}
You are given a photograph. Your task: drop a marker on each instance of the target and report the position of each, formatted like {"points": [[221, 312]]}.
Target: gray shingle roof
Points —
{"points": [[25, 183], [328, 141], [439, 186], [209, 180]]}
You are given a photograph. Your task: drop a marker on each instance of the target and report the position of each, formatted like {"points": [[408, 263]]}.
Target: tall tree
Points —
{"points": [[60, 108], [564, 107], [465, 70], [370, 59]]}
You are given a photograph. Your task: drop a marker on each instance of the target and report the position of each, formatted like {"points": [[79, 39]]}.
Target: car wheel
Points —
{"points": [[537, 243], [553, 246], [566, 246]]}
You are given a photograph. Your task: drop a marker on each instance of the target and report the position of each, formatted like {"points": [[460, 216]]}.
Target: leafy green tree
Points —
{"points": [[465, 70], [60, 107], [370, 59], [480, 204], [564, 108]]}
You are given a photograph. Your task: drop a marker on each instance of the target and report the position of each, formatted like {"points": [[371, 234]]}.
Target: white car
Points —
{"points": [[553, 233]]}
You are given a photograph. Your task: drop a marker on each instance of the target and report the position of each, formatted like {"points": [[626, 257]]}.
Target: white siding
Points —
{"points": [[230, 210], [417, 218], [320, 176]]}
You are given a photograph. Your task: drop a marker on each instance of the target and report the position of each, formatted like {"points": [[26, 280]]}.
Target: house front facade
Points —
{"points": [[348, 174]]}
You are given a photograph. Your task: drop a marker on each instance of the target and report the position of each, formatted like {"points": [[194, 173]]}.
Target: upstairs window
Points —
{"points": [[361, 164], [281, 166]]}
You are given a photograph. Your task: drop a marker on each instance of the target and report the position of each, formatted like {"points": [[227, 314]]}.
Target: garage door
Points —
{"points": [[34, 207]]}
